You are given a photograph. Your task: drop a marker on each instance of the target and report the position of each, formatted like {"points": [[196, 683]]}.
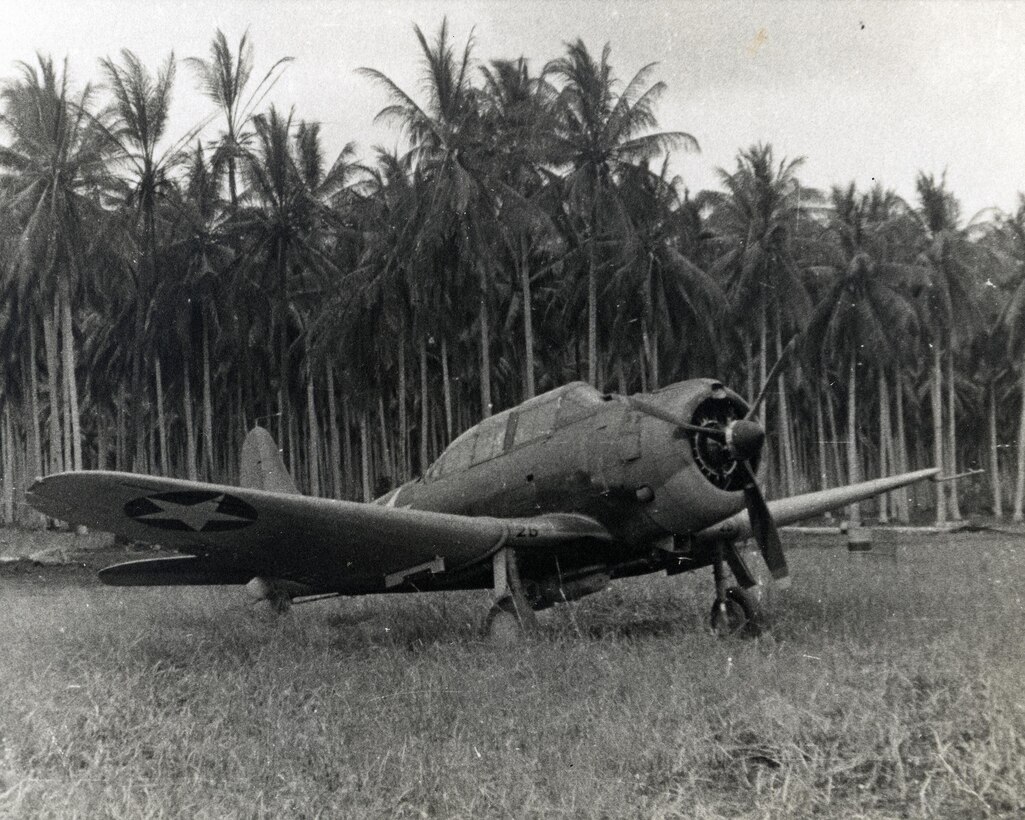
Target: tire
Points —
{"points": [[739, 618], [502, 625]]}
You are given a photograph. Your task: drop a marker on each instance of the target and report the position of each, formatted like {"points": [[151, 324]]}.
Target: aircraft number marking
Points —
{"points": [[525, 531]]}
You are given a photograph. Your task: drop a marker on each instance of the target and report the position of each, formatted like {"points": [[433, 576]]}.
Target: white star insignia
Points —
{"points": [[194, 516]]}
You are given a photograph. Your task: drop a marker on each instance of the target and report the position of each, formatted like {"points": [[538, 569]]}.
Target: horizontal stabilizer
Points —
{"points": [[800, 507], [178, 570]]}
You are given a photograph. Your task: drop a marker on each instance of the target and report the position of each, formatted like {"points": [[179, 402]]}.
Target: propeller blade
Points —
{"points": [[769, 379], [764, 528], [678, 421]]}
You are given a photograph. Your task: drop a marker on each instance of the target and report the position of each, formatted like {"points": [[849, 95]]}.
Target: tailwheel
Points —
{"points": [[735, 615]]}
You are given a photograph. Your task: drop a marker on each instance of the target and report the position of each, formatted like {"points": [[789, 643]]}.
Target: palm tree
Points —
{"points": [[138, 117], [754, 225], [282, 217], [951, 306], [57, 161], [863, 316], [1010, 248], [223, 78], [447, 142], [676, 301], [519, 119], [600, 134]]}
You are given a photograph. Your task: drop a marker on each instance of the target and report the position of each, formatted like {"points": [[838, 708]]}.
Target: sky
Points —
{"points": [[864, 91]]}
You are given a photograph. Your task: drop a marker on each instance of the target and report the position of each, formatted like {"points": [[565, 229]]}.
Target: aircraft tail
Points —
{"points": [[262, 467]]}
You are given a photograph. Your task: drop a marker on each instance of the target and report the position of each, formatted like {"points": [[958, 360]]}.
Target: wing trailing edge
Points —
{"points": [[176, 570]]}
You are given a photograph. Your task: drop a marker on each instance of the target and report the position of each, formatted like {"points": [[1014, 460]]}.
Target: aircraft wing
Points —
{"points": [[238, 533], [798, 507]]}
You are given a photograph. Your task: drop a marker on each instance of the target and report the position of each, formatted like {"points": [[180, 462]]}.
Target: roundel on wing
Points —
{"points": [[191, 511]]}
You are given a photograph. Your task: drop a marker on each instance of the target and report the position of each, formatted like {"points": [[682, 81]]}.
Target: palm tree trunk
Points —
{"points": [[834, 435], [208, 408], [334, 445], [35, 443], [446, 385], [749, 372], [763, 336], [937, 429], [50, 341], [348, 472], [885, 433], [1019, 488], [955, 507], [102, 446], [994, 453], [485, 344], [650, 326], [789, 456], [424, 408], [528, 320], [294, 455], [820, 432], [364, 449], [903, 507], [385, 450], [402, 459], [592, 313], [312, 435], [120, 434], [641, 366], [66, 423], [852, 435], [67, 334], [283, 375], [620, 375], [7, 448], [165, 456], [190, 423]]}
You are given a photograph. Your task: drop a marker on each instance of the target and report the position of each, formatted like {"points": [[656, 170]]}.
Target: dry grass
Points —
{"points": [[886, 690]]}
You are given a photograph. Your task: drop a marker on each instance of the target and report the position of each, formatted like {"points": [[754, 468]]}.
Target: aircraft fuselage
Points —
{"points": [[575, 450]]}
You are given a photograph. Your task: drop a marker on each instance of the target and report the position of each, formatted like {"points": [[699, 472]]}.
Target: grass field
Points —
{"points": [[886, 689]]}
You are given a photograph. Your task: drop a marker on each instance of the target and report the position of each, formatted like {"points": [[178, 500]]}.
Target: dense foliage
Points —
{"points": [[163, 293]]}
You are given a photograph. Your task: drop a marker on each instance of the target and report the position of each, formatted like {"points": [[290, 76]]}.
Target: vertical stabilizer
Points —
{"points": [[262, 467]]}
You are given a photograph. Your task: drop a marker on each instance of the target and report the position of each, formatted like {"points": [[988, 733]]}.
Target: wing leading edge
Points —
{"points": [[243, 532], [799, 507]]}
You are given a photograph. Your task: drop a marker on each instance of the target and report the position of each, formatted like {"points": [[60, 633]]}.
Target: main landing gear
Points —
{"points": [[511, 615], [735, 611]]}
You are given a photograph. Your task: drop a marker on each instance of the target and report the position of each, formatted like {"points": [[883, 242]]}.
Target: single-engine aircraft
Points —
{"points": [[543, 503]]}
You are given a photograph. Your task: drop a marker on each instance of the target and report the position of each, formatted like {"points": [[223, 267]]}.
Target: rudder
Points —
{"points": [[261, 466]]}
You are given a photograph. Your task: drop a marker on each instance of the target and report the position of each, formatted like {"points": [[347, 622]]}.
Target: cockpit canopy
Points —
{"points": [[535, 419]]}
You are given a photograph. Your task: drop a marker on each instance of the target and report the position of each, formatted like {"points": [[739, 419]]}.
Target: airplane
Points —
{"points": [[543, 503]]}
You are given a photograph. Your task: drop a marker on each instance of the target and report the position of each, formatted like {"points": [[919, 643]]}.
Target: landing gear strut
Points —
{"points": [[734, 611], [511, 615]]}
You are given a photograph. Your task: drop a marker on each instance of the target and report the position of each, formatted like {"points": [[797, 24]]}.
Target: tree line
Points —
{"points": [[162, 293]]}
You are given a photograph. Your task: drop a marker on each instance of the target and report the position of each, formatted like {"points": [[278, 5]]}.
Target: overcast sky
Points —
{"points": [[864, 90]]}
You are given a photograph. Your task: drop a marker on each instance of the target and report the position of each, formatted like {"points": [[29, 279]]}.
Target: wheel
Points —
{"points": [[737, 616], [503, 624]]}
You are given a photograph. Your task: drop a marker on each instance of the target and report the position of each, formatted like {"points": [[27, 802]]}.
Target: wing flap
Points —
{"points": [[797, 508], [178, 570]]}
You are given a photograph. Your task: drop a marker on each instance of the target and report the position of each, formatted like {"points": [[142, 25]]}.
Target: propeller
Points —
{"points": [[744, 439]]}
